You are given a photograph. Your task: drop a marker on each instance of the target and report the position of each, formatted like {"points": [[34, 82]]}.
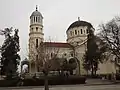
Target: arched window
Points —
{"points": [[36, 19], [36, 28], [87, 31], [36, 43], [75, 32], [81, 31]]}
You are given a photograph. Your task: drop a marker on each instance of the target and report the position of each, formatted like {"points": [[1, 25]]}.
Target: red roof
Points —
{"points": [[58, 44]]}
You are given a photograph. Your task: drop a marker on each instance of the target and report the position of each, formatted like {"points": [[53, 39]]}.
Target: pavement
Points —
{"points": [[66, 87], [100, 82]]}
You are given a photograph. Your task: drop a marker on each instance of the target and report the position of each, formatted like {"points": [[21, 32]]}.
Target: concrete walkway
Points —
{"points": [[100, 82]]}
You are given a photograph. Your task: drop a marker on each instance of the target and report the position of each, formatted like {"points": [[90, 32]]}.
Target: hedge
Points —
{"points": [[9, 83], [52, 80], [55, 80]]}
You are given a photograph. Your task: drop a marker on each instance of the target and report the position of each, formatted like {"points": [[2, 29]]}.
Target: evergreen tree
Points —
{"points": [[91, 52], [94, 53], [9, 52]]}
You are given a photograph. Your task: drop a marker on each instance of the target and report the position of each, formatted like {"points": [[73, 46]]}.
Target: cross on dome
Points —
{"points": [[36, 8], [78, 18]]}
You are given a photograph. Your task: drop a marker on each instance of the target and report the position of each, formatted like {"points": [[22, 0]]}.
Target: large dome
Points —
{"points": [[79, 23]]}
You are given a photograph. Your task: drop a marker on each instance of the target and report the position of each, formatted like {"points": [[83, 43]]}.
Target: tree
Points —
{"points": [[110, 34], [86, 64], [69, 65], [46, 57], [9, 51], [94, 53], [63, 65], [72, 64]]}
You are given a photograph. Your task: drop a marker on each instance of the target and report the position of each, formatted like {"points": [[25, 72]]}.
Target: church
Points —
{"points": [[75, 45]]}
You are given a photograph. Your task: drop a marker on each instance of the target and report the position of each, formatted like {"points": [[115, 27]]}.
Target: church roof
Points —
{"points": [[58, 44], [36, 13], [79, 23]]}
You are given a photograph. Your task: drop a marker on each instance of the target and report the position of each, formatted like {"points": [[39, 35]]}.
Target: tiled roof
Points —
{"points": [[58, 44]]}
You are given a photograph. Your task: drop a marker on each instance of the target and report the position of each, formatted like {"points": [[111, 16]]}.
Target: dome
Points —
{"points": [[36, 13], [79, 23]]}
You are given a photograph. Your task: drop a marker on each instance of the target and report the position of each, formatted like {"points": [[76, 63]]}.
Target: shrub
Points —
{"points": [[8, 83], [118, 77], [56, 80]]}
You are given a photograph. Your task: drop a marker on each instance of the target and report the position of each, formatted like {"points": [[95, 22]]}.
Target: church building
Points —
{"points": [[75, 45], [76, 41]]}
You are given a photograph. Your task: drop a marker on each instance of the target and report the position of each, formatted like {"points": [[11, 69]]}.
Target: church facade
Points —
{"points": [[75, 45]]}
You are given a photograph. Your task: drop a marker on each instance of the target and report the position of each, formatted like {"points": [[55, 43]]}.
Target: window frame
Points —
{"points": [[36, 43], [75, 32], [37, 29], [81, 31]]}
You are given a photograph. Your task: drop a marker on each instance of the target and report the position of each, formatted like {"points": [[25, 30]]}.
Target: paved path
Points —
{"points": [[91, 84], [98, 82], [68, 87]]}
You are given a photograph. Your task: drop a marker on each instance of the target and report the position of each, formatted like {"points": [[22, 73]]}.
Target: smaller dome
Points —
{"points": [[79, 23], [36, 13]]}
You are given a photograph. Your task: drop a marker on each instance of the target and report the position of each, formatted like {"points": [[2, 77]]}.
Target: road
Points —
{"points": [[67, 87]]}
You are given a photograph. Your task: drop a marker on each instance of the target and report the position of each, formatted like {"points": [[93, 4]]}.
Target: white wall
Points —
{"points": [[106, 68]]}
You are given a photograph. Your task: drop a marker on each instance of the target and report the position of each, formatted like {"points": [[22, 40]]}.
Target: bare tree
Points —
{"points": [[45, 56], [110, 34]]}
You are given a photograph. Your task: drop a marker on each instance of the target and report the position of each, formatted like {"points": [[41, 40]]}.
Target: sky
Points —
{"points": [[58, 15]]}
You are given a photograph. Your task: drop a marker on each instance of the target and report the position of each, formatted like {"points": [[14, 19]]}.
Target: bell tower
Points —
{"points": [[36, 36]]}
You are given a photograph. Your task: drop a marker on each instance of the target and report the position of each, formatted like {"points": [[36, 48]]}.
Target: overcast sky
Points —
{"points": [[58, 15]]}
